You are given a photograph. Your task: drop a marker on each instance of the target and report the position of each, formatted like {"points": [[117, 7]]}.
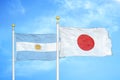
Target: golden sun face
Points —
{"points": [[38, 47]]}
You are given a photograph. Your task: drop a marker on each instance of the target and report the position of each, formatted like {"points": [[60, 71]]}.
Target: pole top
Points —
{"points": [[13, 25], [57, 17]]}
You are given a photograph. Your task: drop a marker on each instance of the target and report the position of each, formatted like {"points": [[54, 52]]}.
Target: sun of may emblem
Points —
{"points": [[38, 47]]}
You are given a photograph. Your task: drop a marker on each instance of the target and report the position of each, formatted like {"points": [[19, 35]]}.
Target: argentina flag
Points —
{"points": [[35, 46]]}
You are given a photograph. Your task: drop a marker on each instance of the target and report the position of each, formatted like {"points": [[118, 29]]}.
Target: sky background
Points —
{"points": [[38, 16]]}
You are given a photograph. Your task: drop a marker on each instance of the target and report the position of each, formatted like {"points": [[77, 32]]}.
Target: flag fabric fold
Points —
{"points": [[84, 42], [35, 46]]}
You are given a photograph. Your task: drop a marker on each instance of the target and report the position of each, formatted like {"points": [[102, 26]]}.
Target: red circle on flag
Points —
{"points": [[85, 42]]}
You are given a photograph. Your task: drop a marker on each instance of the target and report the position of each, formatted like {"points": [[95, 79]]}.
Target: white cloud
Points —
{"points": [[88, 5], [46, 24], [70, 4], [40, 25], [83, 13], [73, 4], [117, 0], [16, 7], [71, 15], [80, 13]]}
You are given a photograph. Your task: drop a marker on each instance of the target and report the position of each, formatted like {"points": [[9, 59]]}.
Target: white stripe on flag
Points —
{"points": [[29, 46]]}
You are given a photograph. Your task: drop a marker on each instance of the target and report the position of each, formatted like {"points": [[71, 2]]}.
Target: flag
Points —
{"points": [[35, 46], [84, 42]]}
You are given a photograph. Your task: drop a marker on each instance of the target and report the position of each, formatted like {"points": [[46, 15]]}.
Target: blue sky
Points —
{"points": [[38, 16]]}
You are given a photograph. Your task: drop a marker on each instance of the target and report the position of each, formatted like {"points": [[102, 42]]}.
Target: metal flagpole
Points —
{"points": [[57, 47], [13, 54]]}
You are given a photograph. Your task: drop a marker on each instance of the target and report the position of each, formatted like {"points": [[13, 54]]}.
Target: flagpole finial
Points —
{"points": [[57, 17], [13, 25]]}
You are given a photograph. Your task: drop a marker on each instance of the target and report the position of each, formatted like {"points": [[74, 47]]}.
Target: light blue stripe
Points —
{"points": [[31, 55], [37, 38]]}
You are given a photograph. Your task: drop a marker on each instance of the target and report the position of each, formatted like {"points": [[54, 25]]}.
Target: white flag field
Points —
{"points": [[84, 42]]}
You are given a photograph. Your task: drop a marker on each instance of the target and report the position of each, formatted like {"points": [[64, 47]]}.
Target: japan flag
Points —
{"points": [[84, 42]]}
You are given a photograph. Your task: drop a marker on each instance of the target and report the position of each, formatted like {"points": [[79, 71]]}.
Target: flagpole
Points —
{"points": [[13, 54], [57, 47]]}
